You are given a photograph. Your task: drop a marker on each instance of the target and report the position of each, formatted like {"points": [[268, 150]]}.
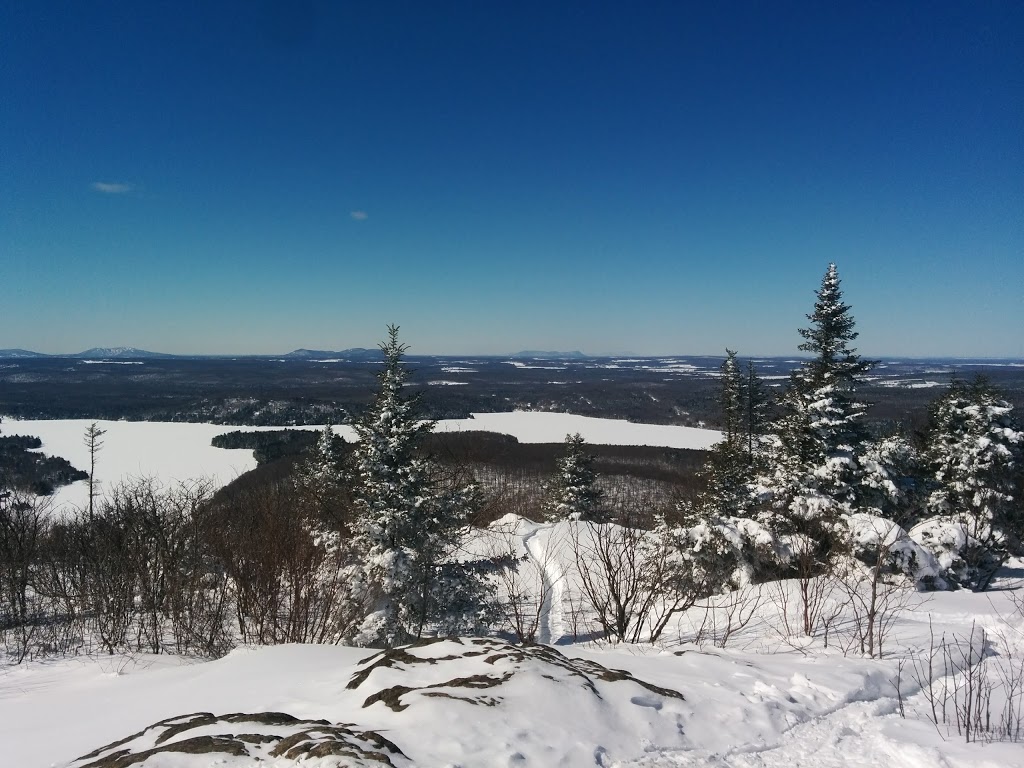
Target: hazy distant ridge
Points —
{"points": [[355, 353], [536, 354]]}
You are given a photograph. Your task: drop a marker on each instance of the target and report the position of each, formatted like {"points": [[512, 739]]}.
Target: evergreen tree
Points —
{"points": [[574, 494], [728, 471], [756, 404], [811, 474], [890, 486], [408, 527], [733, 410], [321, 478], [973, 457], [823, 430]]}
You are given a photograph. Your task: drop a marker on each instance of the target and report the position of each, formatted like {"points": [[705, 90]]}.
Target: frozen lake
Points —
{"points": [[174, 452]]}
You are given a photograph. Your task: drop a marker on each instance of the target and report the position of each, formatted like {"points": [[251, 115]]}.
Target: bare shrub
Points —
{"points": [[728, 614], [876, 591], [973, 684], [285, 571], [812, 609], [636, 580], [23, 529]]}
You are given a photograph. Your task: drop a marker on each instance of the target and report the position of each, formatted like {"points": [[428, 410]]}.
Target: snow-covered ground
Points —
{"points": [[767, 699], [764, 700], [172, 452]]}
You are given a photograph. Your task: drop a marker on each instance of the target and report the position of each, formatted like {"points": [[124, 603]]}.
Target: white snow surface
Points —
{"points": [[763, 701], [544, 427], [172, 452]]}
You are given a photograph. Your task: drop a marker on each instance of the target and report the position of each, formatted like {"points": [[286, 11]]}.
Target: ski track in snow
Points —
{"points": [[551, 625], [537, 552], [556, 578]]}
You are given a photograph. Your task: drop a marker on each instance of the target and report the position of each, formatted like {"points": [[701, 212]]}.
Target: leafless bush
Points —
{"points": [[285, 572], [816, 584], [726, 615], [875, 597], [23, 529], [972, 684], [809, 611], [636, 580]]}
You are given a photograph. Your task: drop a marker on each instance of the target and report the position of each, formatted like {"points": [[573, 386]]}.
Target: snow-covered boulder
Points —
{"points": [[872, 537], [962, 559]]}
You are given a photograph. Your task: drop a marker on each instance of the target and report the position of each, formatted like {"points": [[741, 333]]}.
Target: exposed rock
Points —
{"points": [[499, 662], [275, 738]]}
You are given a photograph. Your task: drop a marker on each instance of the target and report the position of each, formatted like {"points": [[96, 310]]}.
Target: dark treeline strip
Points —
{"points": [[22, 467]]}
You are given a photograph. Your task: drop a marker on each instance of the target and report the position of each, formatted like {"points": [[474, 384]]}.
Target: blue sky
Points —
{"points": [[673, 177]]}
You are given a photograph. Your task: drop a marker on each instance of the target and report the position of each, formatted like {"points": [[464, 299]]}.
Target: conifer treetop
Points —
{"points": [[830, 334]]}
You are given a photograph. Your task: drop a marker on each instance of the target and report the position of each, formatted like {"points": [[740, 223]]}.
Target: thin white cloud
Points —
{"points": [[112, 187], [359, 215]]}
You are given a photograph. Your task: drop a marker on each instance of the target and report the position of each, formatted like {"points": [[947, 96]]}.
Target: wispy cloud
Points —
{"points": [[112, 187], [359, 215]]}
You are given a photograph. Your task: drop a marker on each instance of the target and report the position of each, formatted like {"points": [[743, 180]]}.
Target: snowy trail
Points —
{"points": [[536, 552], [551, 624]]}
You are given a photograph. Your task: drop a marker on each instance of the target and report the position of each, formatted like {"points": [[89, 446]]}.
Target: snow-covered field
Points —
{"points": [[764, 700], [172, 452]]}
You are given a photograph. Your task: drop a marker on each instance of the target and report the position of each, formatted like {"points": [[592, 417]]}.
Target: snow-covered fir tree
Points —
{"points": [[889, 480], [973, 459], [756, 406], [320, 477], [574, 494], [409, 527], [729, 471], [733, 411], [812, 466]]}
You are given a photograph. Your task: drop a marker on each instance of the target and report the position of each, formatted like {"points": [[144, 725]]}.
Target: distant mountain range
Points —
{"points": [[356, 353], [106, 353], [19, 353], [134, 353], [534, 354], [120, 353]]}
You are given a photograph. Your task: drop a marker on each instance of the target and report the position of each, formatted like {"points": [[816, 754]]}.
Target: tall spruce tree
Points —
{"points": [[409, 526], [823, 429], [756, 405], [812, 469], [728, 471], [733, 411], [574, 495], [320, 478]]}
